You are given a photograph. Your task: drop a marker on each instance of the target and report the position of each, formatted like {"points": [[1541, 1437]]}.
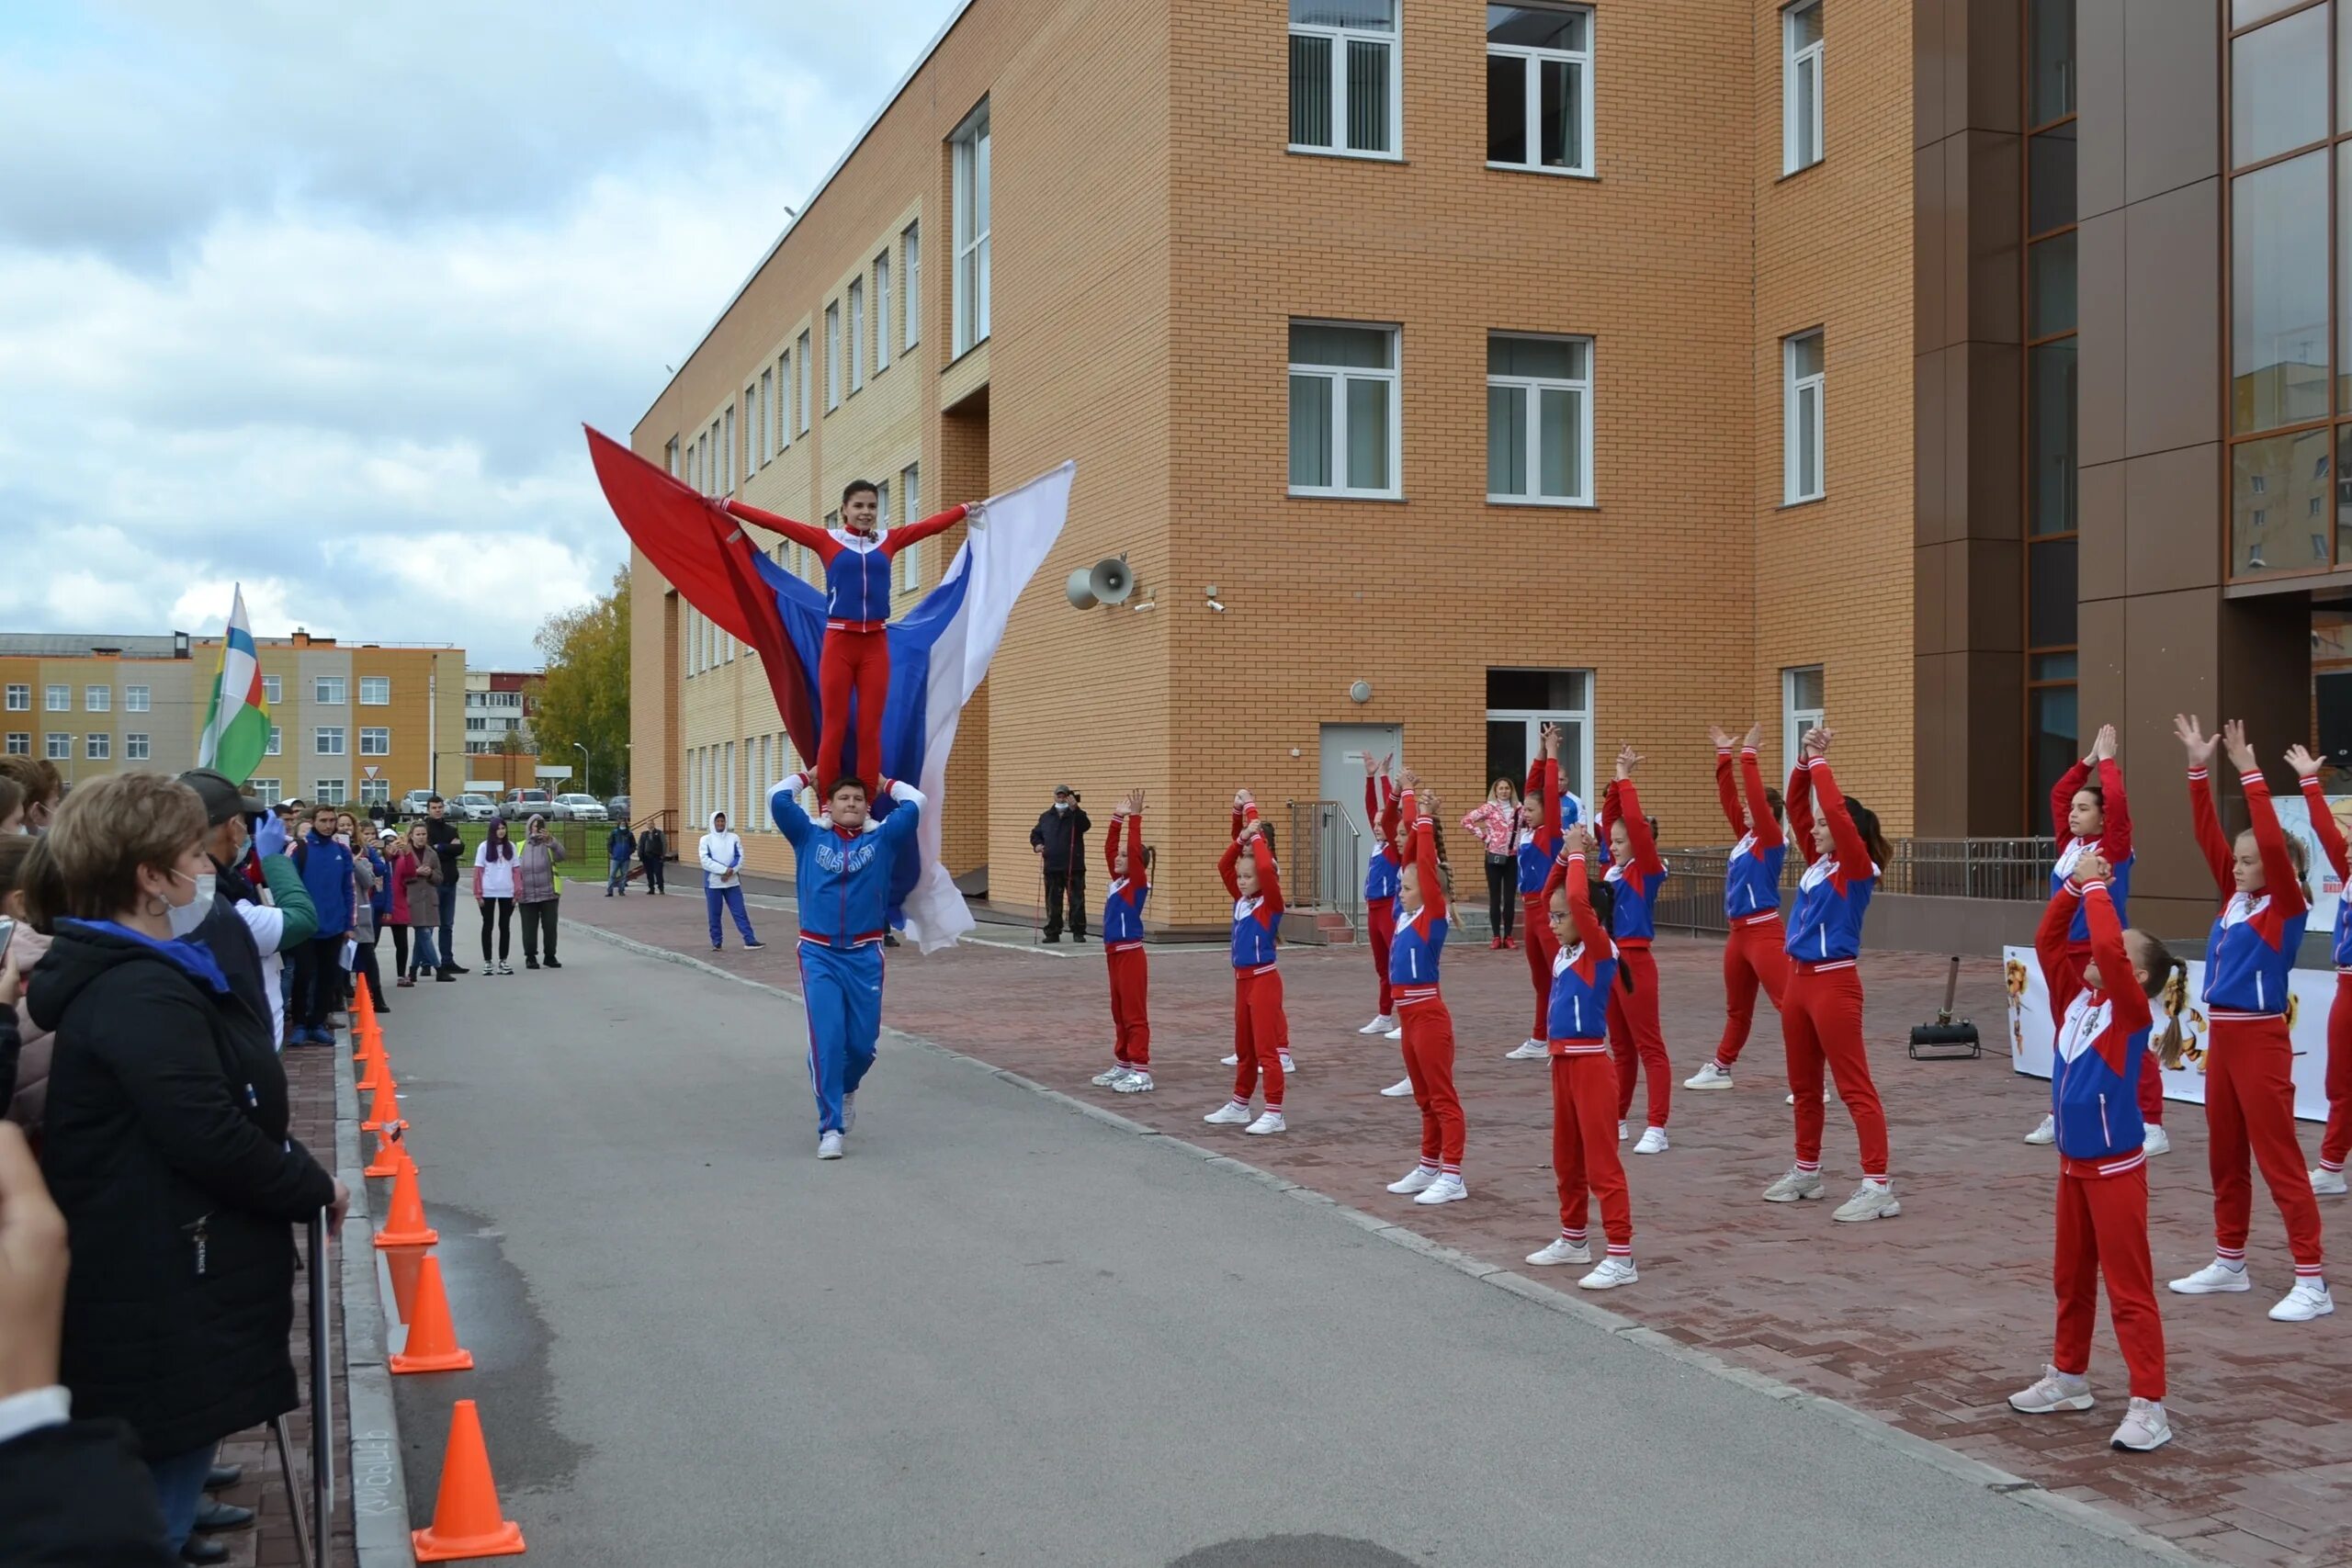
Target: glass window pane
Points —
{"points": [[2278, 87], [1360, 348], [2050, 63], [2050, 600], [2245, 13], [1804, 355], [1506, 441], [1506, 108], [1806, 25], [2343, 276], [2050, 437], [1310, 432], [1558, 421], [2343, 75], [2343, 493], [1367, 435], [2052, 667], [2050, 180], [1367, 97], [2055, 732], [1533, 27], [2278, 294], [2273, 483], [1554, 358], [1561, 121], [2050, 285], [1809, 440], [1310, 91], [1807, 154], [1378, 15], [1806, 687]]}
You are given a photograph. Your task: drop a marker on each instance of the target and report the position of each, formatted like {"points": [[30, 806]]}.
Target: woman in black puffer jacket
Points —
{"points": [[164, 1142]]}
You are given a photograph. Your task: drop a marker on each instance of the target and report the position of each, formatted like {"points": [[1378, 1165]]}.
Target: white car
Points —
{"points": [[475, 809], [579, 808]]}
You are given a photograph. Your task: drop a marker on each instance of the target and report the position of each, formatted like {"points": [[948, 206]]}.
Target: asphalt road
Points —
{"points": [[1001, 1332]]}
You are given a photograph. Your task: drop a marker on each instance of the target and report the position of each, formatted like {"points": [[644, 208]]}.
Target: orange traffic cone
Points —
{"points": [[388, 1158], [405, 1226], [432, 1339], [372, 1061], [466, 1519], [384, 1109]]}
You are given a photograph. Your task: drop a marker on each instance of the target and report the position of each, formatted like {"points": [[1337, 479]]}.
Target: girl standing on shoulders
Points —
{"points": [[1635, 873], [2336, 1140], [1757, 952], [1380, 874], [1259, 1027], [1428, 1026], [1496, 822], [1130, 866]]}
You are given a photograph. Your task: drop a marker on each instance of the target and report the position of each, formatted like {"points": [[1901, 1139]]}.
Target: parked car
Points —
{"points": [[471, 807], [523, 804], [617, 808], [579, 808], [411, 806]]}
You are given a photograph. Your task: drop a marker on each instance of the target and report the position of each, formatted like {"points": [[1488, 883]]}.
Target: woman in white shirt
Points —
{"points": [[494, 893]]}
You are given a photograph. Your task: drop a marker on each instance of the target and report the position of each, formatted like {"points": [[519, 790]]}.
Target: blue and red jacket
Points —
{"points": [[857, 566], [1538, 845], [2330, 835], [2252, 943], [1420, 941], [1258, 917], [2102, 1040], [2113, 845], [1576, 1019], [1381, 871], [1826, 930], [1123, 905], [1633, 888], [1752, 873], [843, 878]]}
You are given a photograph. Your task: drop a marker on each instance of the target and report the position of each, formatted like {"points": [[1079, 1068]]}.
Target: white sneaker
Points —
{"points": [[1562, 1250], [1288, 1066], [829, 1145], [2327, 1182], [2046, 1132], [1229, 1115], [1444, 1190], [1228, 1061], [1791, 1098], [1795, 1186], [2216, 1278], [1413, 1180], [1526, 1051], [1872, 1200], [2143, 1428], [1105, 1079], [1613, 1271], [1621, 1134], [2307, 1301], [2157, 1142], [1709, 1076], [2056, 1391], [1401, 1090], [1272, 1122], [1397, 1032], [849, 1112], [1136, 1082], [1653, 1142], [1381, 1025]]}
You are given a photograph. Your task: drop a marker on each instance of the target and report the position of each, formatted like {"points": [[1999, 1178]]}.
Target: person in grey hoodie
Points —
{"points": [[535, 890], [722, 881]]}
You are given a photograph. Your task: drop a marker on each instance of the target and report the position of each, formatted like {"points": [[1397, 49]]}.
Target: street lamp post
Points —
{"points": [[587, 784]]}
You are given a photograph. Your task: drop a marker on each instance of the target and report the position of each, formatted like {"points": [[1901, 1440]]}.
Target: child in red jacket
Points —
{"points": [[1259, 1027], [1130, 867]]}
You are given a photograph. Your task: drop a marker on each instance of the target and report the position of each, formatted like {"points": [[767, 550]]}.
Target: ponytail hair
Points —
{"points": [[1865, 822], [2299, 853], [1773, 799], [2173, 988], [1602, 895]]}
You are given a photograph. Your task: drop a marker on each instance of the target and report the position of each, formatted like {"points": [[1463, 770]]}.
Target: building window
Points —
{"points": [[58, 746], [1803, 704], [98, 699], [327, 791], [911, 497], [20, 698], [97, 746], [327, 691], [272, 688], [1801, 398], [135, 699], [1345, 76], [20, 743], [1519, 703], [856, 333], [374, 791], [134, 747], [727, 461], [801, 388], [910, 296], [1539, 420], [374, 691], [768, 422], [2051, 462], [1801, 86], [783, 373], [267, 790], [971, 206], [327, 741], [375, 742], [832, 356], [671, 453], [1343, 410], [882, 312], [61, 699], [277, 740], [1539, 88]]}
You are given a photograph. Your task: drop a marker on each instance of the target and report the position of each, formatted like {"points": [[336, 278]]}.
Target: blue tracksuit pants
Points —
{"points": [[842, 989], [731, 900]]}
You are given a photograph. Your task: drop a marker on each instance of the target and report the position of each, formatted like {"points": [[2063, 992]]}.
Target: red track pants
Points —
{"points": [[1584, 1146], [2151, 1076], [851, 661], [1258, 1034], [2250, 1108], [2337, 1142], [1130, 986], [2103, 1228], [1636, 1038], [1429, 1062], [1756, 954], [1821, 1020], [1541, 947], [1381, 920]]}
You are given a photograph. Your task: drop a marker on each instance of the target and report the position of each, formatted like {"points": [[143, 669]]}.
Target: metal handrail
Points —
{"points": [[2006, 870]]}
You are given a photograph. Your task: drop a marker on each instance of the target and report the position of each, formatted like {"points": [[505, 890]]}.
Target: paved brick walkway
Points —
{"points": [[1927, 1321]]}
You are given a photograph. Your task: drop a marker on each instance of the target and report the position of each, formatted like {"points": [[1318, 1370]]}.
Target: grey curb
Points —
{"points": [[1925, 1450], [378, 1481]]}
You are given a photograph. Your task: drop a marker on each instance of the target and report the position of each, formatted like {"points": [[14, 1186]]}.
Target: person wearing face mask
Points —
{"points": [[1060, 842], [282, 923], [324, 860], [165, 1141]]}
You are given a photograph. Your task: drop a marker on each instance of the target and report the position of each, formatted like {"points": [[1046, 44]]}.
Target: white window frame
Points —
{"points": [[1795, 390], [1536, 386], [911, 285], [267, 791], [375, 740], [767, 420], [1579, 781], [753, 428], [98, 699], [832, 356], [800, 390], [277, 743], [1580, 64], [58, 698], [1393, 42], [20, 697], [854, 325], [1796, 63], [882, 311], [382, 683], [911, 498], [321, 684], [783, 401], [374, 791], [327, 741], [273, 689], [1795, 720], [328, 792], [974, 209], [57, 745], [673, 454], [136, 745], [1339, 375], [97, 746], [20, 743], [723, 431], [138, 699]]}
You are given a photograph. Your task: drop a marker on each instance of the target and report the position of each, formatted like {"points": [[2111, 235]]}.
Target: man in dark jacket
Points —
{"points": [[652, 852], [325, 860], [1059, 839], [441, 834], [619, 844]]}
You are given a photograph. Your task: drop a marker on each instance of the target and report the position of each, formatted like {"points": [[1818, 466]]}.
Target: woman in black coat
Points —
{"points": [[165, 1140]]}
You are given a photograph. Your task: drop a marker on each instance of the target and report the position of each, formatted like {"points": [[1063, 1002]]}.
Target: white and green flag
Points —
{"points": [[236, 730]]}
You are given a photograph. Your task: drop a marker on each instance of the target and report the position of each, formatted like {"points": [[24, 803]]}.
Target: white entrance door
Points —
{"points": [[1344, 746]]}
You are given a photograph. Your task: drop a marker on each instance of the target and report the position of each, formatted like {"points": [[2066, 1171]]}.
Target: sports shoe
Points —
{"points": [[1562, 1250], [2328, 1182], [1288, 1066], [1233, 1061], [1396, 1033], [529, 963], [1791, 1098], [1526, 1051], [1105, 1079], [1493, 944], [2143, 1428], [1709, 1076], [1413, 1180], [829, 1145], [1381, 1025], [754, 946], [1271, 1121], [1401, 1090], [2307, 1301], [2047, 1132], [1795, 1186], [849, 1111], [551, 961], [2216, 1278], [1229, 1115], [1613, 1271], [1134, 1083], [1872, 1200], [2056, 1391], [1444, 1190], [2157, 1141], [1653, 1142], [1621, 1134]]}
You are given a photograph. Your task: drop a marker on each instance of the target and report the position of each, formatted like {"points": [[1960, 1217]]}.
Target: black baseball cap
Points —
{"points": [[221, 799], [1061, 789]]}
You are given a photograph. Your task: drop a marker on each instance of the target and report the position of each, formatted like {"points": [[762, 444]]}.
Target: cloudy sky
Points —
{"points": [[316, 298]]}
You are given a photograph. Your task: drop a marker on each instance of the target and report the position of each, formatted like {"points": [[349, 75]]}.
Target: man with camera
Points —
{"points": [[1059, 840]]}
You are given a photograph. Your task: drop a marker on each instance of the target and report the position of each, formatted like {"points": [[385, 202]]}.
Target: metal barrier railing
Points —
{"points": [[2004, 869], [1322, 859]]}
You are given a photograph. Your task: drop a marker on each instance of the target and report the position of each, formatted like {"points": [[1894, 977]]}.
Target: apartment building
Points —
{"points": [[1442, 369]]}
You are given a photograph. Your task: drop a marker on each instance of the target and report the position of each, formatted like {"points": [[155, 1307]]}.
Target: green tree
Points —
{"points": [[584, 698]]}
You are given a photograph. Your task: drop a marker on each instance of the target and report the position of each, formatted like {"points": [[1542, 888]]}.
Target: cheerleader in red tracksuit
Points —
{"points": [[2101, 1010], [1637, 872], [1428, 1026], [1259, 1027], [1757, 952], [2249, 1061], [2336, 1140], [1380, 874], [1539, 845], [1130, 866], [1245, 811], [1585, 979], [1821, 1014]]}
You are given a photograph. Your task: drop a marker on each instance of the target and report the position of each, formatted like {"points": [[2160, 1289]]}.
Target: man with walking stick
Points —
{"points": [[1058, 841]]}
